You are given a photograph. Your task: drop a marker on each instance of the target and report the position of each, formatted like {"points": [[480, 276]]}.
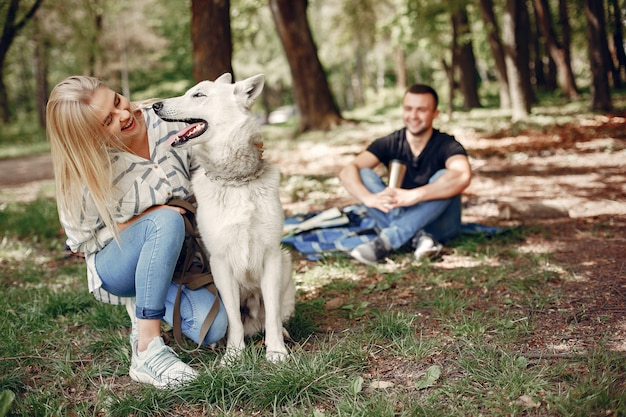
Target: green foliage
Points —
{"points": [[22, 138], [148, 42], [302, 324], [392, 325], [36, 220], [6, 400]]}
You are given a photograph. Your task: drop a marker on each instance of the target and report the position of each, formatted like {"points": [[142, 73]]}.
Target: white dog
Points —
{"points": [[240, 217]]}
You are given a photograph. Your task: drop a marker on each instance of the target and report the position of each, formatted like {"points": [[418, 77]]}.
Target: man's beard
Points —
{"points": [[418, 130]]}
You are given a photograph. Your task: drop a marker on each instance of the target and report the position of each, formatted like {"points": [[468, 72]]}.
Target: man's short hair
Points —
{"points": [[423, 89]]}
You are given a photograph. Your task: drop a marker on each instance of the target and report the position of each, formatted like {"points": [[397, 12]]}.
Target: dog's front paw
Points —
{"points": [[231, 356], [276, 356]]}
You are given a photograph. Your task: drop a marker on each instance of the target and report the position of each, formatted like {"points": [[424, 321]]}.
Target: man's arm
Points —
{"points": [[351, 180], [456, 179]]}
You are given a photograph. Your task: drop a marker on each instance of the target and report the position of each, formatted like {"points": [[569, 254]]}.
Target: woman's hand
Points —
{"points": [[122, 226]]}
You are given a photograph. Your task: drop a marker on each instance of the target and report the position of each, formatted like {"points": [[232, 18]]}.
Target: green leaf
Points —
{"points": [[432, 374], [356, 385], [521, 362], [6, 400]]}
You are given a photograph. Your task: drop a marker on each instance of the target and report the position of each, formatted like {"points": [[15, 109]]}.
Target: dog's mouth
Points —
{"points": [[195, 129]]}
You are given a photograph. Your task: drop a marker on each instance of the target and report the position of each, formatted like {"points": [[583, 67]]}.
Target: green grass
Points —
{"points": [[63, 353], [22, 138], [392, 340]]}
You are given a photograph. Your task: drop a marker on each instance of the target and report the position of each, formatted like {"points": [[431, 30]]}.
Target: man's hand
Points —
{"points": [[384, 201], [400, 197]]}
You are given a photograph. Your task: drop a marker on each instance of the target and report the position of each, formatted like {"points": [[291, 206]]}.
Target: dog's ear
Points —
{"points": [[225, 78], [249, 89]]}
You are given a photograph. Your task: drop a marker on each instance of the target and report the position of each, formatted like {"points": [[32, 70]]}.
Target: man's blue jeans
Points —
{"points": [[439, 218], [142, 266]]}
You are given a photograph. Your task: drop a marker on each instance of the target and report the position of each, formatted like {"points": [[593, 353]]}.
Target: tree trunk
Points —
{"points": [[598, 52], [520, 107], [468, 76], [211, 39], [449, 71], [493, 35], [617, 43], [358, 76], [400, 61], [522, 36], [9, 31], [41, 73], [558, 52], [313, 97]]}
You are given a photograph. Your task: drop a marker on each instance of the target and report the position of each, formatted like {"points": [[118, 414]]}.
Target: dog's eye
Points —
{"points": [[197, 95]]}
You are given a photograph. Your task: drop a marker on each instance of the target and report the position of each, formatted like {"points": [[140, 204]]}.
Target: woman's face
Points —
{"points": [[114, 112]]}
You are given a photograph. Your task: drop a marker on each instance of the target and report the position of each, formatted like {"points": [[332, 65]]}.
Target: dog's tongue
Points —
{"points": [[185, 134]]}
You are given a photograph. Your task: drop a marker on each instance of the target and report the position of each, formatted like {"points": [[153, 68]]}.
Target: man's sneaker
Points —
{"points": [[372, 252], [426, 246], [159, 365]]}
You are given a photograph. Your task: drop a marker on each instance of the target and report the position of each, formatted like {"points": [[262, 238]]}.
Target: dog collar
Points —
{"points": [[240, 180]]}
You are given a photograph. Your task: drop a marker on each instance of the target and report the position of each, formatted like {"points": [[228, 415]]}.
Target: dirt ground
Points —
{"points": [[568, 180], [569, 183]]}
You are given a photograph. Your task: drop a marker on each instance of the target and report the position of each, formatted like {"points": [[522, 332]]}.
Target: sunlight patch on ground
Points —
{"points": [[11, 251], [317, 275], [28, 192], [619, 345], [541, 246], [458, 261], [569, 346]]}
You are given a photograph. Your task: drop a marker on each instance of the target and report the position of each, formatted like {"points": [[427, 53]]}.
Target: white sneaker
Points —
{"points": [[426, 247], [159, 365]]}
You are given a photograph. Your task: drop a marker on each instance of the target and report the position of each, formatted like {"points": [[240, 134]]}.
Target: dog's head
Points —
{"points": [[210, 105]]}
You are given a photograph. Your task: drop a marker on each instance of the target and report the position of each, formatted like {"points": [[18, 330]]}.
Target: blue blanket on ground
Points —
{"points": [[358, 228]]}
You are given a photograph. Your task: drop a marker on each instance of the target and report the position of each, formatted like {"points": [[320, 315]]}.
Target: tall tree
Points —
{"points": [[523, 34], [313, 97], [497, 51], [617, 43], [354, 15], [12, 26], [211, 38], [559, 52], [41, 71], [520, 106], [598, 55], [466, 61]]}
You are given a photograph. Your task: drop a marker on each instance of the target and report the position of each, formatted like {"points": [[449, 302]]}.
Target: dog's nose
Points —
{"points": [[157, 106]]}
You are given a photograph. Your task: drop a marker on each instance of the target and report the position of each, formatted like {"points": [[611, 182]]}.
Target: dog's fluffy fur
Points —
{"points": [[240, 217]]}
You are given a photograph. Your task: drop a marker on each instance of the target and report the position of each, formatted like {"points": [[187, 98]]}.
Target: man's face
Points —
{"points": [[418, 112]]}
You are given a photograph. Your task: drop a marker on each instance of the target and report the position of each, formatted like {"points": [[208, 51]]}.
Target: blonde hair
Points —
{"points": [[78, 143]]}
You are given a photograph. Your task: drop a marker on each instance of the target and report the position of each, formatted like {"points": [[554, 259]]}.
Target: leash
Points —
{"points": [[194, 272]]}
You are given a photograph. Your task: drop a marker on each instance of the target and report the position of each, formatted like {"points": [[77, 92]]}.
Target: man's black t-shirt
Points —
{"points": [[433, 158]]}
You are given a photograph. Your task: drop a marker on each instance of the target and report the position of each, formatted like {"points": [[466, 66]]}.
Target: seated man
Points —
{"points": [[427, 207]]}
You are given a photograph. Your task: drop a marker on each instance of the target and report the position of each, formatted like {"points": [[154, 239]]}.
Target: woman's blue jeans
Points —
{"points": [[142, 266], [439, 218]]}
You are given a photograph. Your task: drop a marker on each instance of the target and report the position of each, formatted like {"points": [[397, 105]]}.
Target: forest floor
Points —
{"points": [[568, 181], [568, 178]]}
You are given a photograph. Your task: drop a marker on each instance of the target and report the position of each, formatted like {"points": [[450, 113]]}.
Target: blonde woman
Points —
{"points": [[114, 175]]}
